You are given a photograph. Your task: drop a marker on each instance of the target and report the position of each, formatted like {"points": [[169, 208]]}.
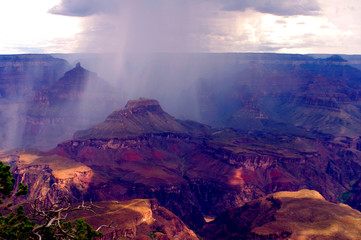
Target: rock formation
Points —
{"points": [[78, 99], [142, 116], [287, 215]]}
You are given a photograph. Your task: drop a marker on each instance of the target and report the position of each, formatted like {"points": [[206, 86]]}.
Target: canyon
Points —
{"points": [[265, 123]]}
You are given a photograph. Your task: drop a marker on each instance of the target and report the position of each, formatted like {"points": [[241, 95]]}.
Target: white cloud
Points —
{"points": [[335, 30], [28, 25]]}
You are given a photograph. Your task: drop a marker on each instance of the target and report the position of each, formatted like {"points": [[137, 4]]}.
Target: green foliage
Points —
{"points": [[18, 226], [15, 225], [345, 196], [84, 230], [6, 181], [22, 190]]}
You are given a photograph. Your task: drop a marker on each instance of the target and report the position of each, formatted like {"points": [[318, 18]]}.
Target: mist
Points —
{"points": [[147, 49], [152, 48], [21, 76]]}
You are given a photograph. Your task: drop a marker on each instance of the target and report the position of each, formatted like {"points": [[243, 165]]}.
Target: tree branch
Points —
{"points": [[53, 215]]}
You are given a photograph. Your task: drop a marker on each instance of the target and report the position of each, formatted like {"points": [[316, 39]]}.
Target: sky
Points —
{"points": [[105, 26]]}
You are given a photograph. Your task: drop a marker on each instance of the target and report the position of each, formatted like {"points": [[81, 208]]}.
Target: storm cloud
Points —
{"points": [[84, 8], [214, 25], [275, 7]]}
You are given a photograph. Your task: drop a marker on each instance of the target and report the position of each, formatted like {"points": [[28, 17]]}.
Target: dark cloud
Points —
{"points": [[83, 8], [276, 7]]}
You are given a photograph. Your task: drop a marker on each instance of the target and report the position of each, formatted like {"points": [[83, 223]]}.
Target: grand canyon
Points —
{"points": [[224, 146]]}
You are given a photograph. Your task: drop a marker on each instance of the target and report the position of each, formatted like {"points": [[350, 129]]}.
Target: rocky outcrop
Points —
{"points": [[77, 100], [41, 106], [136, 219], [142, 116], [286, 215], [49, 177], [75, 84]]}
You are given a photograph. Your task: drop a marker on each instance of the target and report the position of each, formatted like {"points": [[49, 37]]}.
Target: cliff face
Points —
{"points": [[316, 95], [49, 177], [20, 75], [287, 215]]}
